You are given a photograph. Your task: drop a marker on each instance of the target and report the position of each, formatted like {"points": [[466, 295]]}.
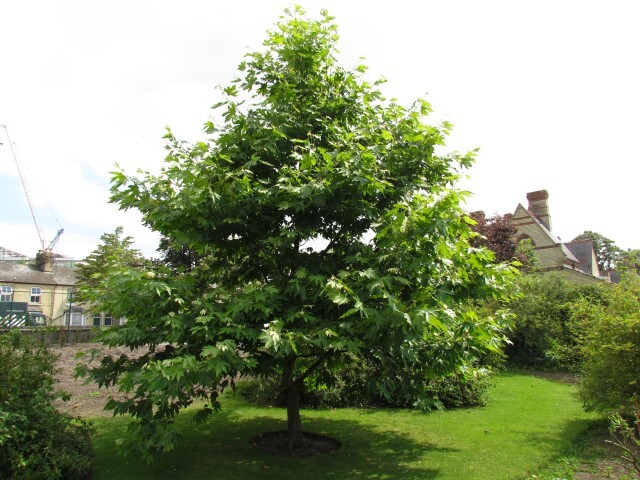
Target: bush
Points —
{"points": [[354, 388], [546, 335], [36, 441], [611, 371], [341, 393], [625, 434], [460, 391]]}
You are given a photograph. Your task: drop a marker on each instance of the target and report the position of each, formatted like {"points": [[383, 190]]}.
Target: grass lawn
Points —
{"points": [[528, 424]]}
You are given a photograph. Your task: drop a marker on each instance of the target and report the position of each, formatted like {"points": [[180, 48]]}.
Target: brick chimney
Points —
{"points": [[44, 260], [539, 207]]}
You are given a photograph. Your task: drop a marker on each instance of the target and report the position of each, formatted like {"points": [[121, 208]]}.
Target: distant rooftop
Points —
{"points": [[6, 254], [31, 274], [11, 256]]}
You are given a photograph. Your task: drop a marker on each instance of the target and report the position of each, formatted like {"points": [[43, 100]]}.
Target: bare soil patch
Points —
{"points": [[555, 376], [607, 463], [275, 443], [87, 400]]}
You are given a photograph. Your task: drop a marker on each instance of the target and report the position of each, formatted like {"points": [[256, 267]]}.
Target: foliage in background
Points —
{"points": [[607, 252], [355, 387], [629, 261], [328, 233], [609, 255], [498, 234], [546, 334], [113, 252], [36, 441], [178, 257], [611, 370]]}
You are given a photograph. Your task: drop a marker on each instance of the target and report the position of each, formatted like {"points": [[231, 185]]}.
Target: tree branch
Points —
{"points": [[316, 364]]}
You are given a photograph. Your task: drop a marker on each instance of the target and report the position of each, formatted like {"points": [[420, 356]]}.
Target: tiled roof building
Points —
{"points": [[40, 290], [577, 260]]}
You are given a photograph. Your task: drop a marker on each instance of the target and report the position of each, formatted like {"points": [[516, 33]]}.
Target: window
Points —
{"points": [[96, 320], [107, 320], [77, 319], [6, 293], [37, 318], [36, 295], [70, 293]]}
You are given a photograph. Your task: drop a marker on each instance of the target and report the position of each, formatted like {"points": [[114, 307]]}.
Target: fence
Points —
{"points": [[58, 335], [21, 319]]}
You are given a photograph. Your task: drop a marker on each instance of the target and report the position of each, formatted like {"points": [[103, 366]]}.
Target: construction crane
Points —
{"points": [[55, 239], [28, 195]]}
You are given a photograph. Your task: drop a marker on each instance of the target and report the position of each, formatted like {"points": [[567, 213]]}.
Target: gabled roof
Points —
{"points": [[19, 273], [521, 211]]}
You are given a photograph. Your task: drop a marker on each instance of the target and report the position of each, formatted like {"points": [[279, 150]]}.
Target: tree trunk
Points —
{"points": [[294, 423]]}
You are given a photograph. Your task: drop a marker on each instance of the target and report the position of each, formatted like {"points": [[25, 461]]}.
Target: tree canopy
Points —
{"points": [[609, 255], [605, 249], [498, 234], [327, 231], [113, 251]]}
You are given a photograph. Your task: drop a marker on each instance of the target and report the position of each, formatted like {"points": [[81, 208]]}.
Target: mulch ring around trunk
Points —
{"points": [[275, 443]]}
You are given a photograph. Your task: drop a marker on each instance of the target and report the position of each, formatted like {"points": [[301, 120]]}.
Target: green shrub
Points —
{"points": [[36, 441], [267, 391], [546, 335], [625, 434], [611, 373], [354, 388], [460, 391]]}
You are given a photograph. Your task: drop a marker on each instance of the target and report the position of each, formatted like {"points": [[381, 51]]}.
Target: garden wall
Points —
{"points": [[59, 335]]}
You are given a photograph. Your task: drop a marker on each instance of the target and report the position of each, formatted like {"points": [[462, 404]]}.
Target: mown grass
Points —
{"points": [[528, 424]]}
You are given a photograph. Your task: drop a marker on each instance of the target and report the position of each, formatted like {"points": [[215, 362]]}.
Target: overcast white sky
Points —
{"points": [[549, 90]]}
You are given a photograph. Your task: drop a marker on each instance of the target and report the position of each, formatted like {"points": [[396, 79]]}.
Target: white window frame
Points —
{"points": [[77, 319], [36, 295], [6, 293]]}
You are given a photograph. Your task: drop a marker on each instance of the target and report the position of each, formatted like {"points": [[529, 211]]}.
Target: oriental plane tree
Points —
{"points": [[328, 233]]}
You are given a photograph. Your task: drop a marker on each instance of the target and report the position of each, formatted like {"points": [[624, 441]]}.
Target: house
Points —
{"points": [[576, 260], [40, 292]]}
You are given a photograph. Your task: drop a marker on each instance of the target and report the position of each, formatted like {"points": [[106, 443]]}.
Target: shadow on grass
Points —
{"points": [[567, 434], [220, 449]]}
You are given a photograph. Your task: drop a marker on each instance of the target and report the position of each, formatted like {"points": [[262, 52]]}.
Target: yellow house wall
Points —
{"points": [[53, 299], [549, 252], [550, 257]]}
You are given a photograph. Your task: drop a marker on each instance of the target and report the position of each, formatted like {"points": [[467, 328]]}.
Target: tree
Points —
{"points": [[114, 251], [328, 233], [607, 253], [178, 257], [629, 260], [498, 234]]}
